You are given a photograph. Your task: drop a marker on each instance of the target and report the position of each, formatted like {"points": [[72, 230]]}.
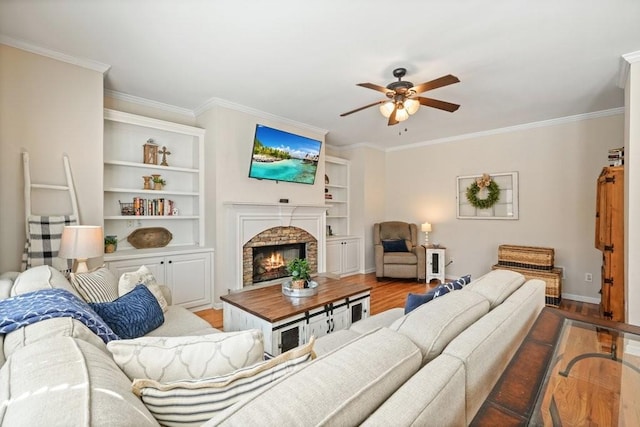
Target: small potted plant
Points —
{"points": [[158, 182], [110, 244], [300, 273]]}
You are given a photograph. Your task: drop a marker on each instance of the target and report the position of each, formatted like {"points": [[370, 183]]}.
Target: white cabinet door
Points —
{"points": [[334, 257], [190, 278], [154, 264], [319, 325], [341, 318], [351, 256]]}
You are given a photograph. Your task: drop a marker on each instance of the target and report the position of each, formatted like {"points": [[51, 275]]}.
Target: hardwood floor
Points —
{"points": [[391, 293]]}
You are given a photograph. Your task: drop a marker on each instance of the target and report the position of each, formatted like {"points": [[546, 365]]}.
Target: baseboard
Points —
{"points": [[581, 298], [217, 306]]}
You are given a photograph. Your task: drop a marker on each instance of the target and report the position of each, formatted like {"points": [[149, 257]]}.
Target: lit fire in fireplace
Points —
{"points": [[273, 262]]}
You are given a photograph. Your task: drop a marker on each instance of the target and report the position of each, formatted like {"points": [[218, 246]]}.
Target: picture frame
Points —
{"points": [[150, 153], [505, 208]]}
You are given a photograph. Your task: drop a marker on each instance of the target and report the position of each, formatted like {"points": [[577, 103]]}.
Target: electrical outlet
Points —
{"points": [[588, 277], [129, 223], [562, 270]]}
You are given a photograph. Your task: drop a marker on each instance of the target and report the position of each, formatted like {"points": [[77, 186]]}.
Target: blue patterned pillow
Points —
{"points": [[394, 245], [416, 300], [133, 315]]}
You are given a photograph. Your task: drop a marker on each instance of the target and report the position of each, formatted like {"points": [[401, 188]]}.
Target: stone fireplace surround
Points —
{"points": [[246, 220]]}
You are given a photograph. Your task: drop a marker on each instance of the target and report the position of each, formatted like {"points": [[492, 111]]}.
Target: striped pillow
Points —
{"points": [[193, 402], [98, 285]]}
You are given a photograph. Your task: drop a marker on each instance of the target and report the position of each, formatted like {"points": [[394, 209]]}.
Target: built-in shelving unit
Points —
{"points": [[342, 250], [185, 265]]}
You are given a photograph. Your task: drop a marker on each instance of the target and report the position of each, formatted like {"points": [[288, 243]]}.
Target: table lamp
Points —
{"points": [[426, 227], [81, 242]]}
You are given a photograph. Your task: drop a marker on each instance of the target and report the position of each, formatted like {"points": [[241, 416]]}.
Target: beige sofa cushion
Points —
{"points": [[78, 385], [496, 285], [432, 326], [187, 358], [380, 320], [328, 343], [488, 345], [50, 328], [41, 277], [433, 396], [340, 388], [179, 321]]}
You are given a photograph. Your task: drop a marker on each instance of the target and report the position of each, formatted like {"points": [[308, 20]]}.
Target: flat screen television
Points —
{"points": [[283, 156]]}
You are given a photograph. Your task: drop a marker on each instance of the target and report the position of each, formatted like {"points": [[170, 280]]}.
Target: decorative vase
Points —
{"points": [[298, 284], [110, 248], [157, 186], [147, 182]]}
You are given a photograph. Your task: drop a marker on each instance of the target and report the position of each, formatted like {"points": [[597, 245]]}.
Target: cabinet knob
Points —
{"points": [[161, 262], [170, 261]]}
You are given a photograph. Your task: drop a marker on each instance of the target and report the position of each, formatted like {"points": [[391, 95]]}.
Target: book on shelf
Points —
{"points": [[153, 207]]}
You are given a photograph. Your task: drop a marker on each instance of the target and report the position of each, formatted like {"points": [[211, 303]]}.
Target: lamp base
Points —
{"points": [[81, 266]]}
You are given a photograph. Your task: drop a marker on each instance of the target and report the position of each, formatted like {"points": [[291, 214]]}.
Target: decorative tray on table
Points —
{"points": [[300, 292]]}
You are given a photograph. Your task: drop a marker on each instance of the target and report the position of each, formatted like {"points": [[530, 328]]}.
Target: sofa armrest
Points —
{"points": [[6, 283], [421, 254], [166, 293], [379, 253]]}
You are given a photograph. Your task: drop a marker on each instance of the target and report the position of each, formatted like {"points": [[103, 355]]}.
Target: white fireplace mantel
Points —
{"points": [[246, 219]]}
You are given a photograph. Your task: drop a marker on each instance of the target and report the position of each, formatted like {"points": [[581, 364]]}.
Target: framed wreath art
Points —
{"points": [[488, 196]]}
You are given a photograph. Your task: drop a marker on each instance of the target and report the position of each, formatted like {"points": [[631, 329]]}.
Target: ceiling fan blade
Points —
{"points": [[436, 103], [375, 87], [362, 108], [434, 84], [392, 117]]}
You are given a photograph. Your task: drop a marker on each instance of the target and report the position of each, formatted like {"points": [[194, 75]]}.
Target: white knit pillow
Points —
{"points": [[191, 357], [97, 285], [128, 281], [194, 402]]}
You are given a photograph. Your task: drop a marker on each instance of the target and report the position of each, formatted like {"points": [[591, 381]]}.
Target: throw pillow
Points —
{"points": [[416, 300], [128, 281], [132, 315], [98, 285], [192, 357], [40, 277], [192, 403], [395, 245]]}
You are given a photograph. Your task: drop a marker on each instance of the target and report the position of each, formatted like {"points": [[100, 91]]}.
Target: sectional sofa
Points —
{"points": [[433, 366]]}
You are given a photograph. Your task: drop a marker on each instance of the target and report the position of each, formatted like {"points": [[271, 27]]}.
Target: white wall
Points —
{"points": [[632, 193], [228, 150], [47, 108], [558, 167]]}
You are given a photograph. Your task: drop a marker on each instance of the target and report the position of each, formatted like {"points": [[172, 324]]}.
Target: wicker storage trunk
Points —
{"points": [[530, 257], [552, 279]]}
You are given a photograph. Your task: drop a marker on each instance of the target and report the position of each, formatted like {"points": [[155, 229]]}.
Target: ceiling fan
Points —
{"points": [[403, 99]]}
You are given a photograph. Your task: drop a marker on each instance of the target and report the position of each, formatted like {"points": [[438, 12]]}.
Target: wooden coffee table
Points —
{"points": [[288, 322], [569, 368]]}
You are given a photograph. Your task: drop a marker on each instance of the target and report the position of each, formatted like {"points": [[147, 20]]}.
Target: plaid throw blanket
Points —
{"points": [[32, 307], [43, 244]]}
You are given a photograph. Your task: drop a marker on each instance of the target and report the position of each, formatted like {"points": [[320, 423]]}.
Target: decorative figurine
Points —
{"points": [[150, 152], [164, 153]]}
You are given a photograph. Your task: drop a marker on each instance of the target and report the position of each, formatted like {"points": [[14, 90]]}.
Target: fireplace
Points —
{"points": [[269, 262], [265, 256]]}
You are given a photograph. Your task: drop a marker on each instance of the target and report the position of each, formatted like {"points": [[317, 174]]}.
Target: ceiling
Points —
{"points": [[519, 61]]}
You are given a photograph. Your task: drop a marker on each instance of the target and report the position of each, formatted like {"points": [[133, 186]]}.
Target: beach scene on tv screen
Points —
{"points": [[283, 156]]}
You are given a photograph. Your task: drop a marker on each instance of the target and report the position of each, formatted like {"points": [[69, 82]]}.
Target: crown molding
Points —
{"points": [[625, 64], [217, 102], [526, 126], [49, 53], [148, 102], [355, 146]]}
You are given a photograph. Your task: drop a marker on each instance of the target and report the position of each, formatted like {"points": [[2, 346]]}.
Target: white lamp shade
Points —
{"points": [[411, 105], [81, 242], [387, 108], [426, 227], [401, 114]]}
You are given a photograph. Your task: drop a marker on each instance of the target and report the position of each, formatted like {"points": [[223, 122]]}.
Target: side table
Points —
{"points": [[435, 262]]}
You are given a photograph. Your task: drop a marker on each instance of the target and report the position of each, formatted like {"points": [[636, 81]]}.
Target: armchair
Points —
{"points": [[396, 261]]}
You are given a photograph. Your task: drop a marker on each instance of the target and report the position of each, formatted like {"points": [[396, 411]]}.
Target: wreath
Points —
{"points": [[484, 181]]}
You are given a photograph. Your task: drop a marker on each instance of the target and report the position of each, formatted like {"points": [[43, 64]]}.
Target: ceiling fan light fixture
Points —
{"points": [[411, 105], [386, 108], [402, 114]]}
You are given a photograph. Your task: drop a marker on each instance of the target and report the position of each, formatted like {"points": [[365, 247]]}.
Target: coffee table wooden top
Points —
{"points": [[269, 303]]}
